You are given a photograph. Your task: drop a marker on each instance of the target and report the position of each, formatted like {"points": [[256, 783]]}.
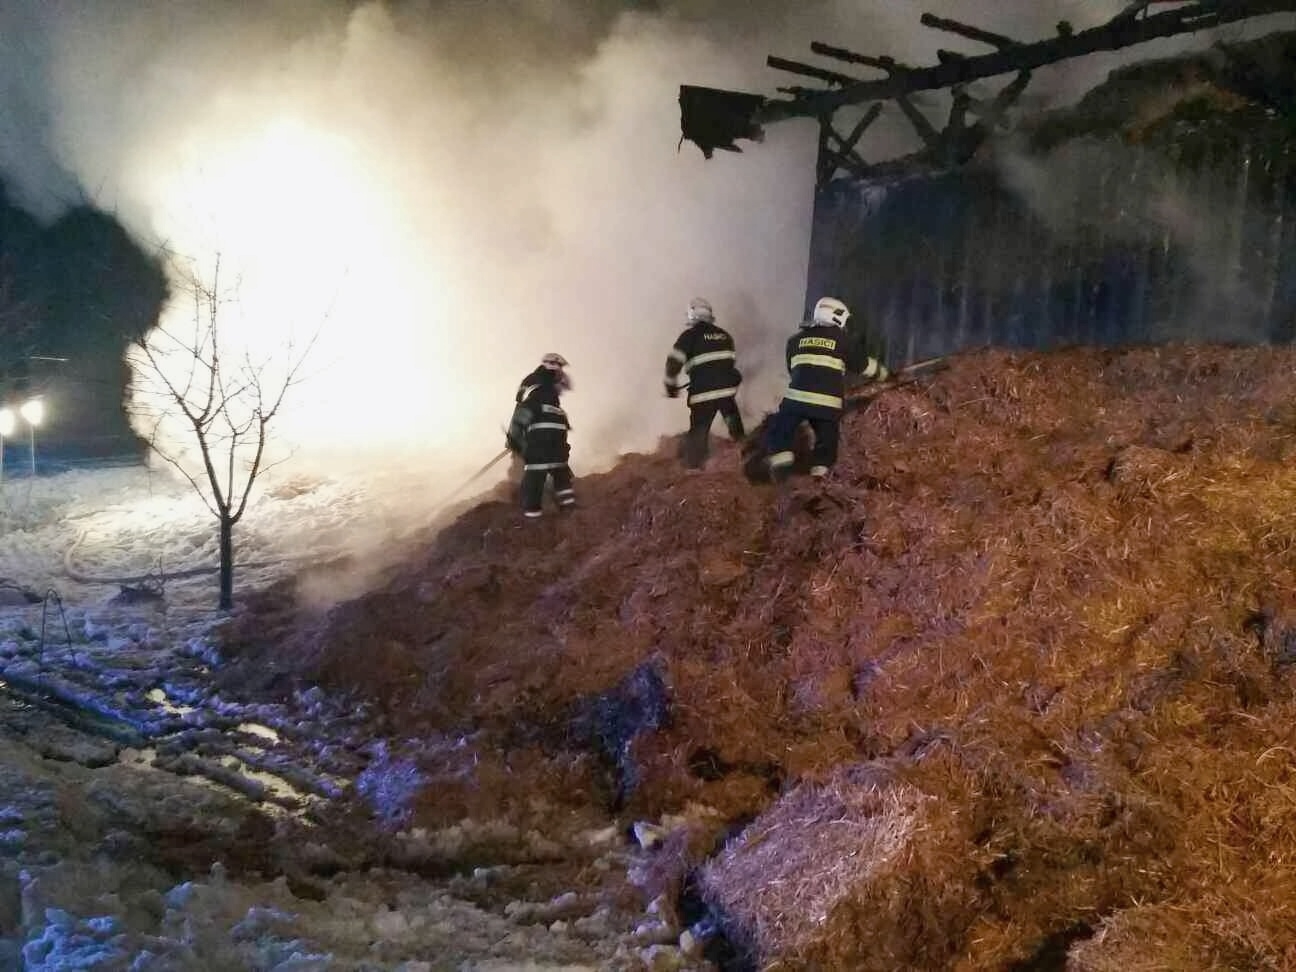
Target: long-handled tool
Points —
{"points": [[756, 469], [858, 397], [472, 479]]}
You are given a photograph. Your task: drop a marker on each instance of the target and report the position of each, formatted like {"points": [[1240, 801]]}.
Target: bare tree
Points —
{"points": [[222, 401]]}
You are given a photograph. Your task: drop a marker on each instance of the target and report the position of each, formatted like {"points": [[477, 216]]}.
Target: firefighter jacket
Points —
{"points": [[818, 357], [539, 427], [705, 354]]}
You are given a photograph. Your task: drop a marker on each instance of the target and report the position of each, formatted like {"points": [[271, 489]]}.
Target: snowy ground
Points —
{"points": [[87, 530], [125, 774]]}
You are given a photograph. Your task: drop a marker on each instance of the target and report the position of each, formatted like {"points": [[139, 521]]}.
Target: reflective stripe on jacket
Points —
{"points": [[704, 353], [818, 357], [539, 421]]}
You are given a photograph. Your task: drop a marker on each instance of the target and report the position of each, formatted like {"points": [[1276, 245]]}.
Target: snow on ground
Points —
{"points": [[86, 529], [124, 773]]}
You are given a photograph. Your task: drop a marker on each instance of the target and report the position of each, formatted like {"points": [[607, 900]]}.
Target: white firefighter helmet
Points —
{"points": [[553, 361], [700, 312], [831, 312]]}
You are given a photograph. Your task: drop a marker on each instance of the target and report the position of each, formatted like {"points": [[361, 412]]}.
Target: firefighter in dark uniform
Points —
{"points": [[704, 353], [817, 361], [538, 434]]}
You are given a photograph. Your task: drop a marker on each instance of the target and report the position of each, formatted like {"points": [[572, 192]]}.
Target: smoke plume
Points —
{"points": [[441, 192]]}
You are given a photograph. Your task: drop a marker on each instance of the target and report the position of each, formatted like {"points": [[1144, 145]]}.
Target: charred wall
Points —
{"points": [[1172, 222]]}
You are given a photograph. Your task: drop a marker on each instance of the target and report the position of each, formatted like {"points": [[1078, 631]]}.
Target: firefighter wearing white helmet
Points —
{"points": [[705, 355], [818, 357], [537, 434]]}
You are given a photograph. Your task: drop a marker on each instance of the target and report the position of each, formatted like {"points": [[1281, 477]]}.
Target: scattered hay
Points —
{"points": [[1053, 592], [1214, 934]]}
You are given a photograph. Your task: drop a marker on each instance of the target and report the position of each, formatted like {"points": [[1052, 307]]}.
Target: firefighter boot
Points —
{"points": [[780, 472], [695, 449]]}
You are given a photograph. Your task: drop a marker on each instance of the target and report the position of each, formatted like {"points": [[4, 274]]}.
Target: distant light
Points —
{"points": [[7, 421], [32, 411]]}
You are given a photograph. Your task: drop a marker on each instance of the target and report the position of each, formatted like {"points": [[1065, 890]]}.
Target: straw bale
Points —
{"points": [[780, 882]]}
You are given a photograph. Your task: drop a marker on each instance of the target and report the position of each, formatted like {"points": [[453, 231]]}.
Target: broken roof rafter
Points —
{"points": [[953, 144], [715, 119], [1135, 25]]}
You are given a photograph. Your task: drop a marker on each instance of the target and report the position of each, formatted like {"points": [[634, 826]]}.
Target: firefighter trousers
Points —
{"points": [[782, 435], [534, 477], [697, 442]]}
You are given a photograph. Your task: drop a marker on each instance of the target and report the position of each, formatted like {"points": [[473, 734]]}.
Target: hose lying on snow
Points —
{"points": [[67, 706]]}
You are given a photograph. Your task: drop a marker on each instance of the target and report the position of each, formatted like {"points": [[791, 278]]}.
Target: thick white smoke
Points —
{"points": [[445, 191], [442, 193]]}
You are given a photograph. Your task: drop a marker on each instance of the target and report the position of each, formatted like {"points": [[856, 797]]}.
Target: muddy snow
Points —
{"points": [[150, 821]]}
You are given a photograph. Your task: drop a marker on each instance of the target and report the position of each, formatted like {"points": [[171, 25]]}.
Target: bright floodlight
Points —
{"points": [[7, 422], [32, 411]]}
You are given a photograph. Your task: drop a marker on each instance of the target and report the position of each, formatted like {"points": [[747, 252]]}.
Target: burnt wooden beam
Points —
{"points": [[922, 125], [810, 71], [1006, 99], [888, 64], [861, 126], [958, 142], [845, 145], [715, 119], [964, 30], [962, 141], [826, 160], [844, 155], [1113, 35], [830, 161], [962, 104], [1131, 11], [1136, 7]]}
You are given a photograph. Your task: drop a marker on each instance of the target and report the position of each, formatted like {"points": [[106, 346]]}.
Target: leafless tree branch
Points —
{"points": [[226, 402]]}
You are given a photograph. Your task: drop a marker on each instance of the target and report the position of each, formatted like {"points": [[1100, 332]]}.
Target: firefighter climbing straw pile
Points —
{"points": [[537, 433], [705, 354]]}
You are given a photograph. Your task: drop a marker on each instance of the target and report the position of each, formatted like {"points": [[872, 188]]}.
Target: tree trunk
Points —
{"points": [[226, 563]]}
